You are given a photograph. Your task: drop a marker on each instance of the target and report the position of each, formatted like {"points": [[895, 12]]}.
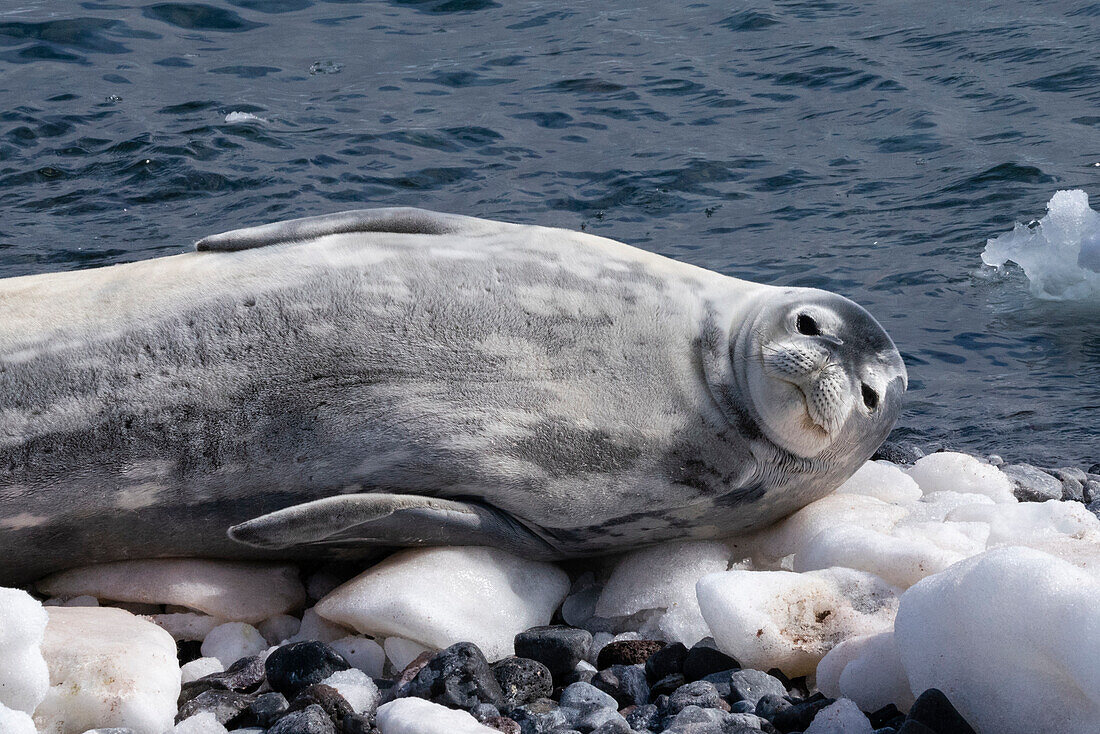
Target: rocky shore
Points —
{"points": [[943, 593]]}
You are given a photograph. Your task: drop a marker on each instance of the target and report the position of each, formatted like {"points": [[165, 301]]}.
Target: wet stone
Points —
{"points": [[667, 685], [644, 717], [458, 677], [227, 706], [311, 720], [484, 711], [522, 680], [357, 724], [327, 697], [799, 715], [934, 710], [750, 685], [625, 683], [1032, 484], [502, 723], [700, 693], [704, 658], [888, 715], [558, 648], [627, 652], [264, 710], [669, 660], [767, 706], [294, 667]]}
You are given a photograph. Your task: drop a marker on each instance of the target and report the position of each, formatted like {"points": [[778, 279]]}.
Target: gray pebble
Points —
{"points": [[1032, 484], [750, 685]]}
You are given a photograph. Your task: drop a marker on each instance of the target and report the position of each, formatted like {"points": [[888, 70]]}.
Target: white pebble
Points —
{"points": [[202, 723], [24, 677], [363, 653], [280, 627], [232, 641], [401, 652], [954, 472], [357, 688], [237, 591], [841, 717], [186, 625], [1011, 636], [108, 668], [15, 721], [779, 619], [440, 596], [417, 716], [198, 668]]}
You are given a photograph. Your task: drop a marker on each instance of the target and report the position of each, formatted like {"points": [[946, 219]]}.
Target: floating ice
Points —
{"points": [[663, 578], [779, 619], [439, 596], [24, 678], [1011, 636], [232, 641], [234, 118], [108, 668], [868, 670], [1060, 254], [417, 716], [234, 591]]}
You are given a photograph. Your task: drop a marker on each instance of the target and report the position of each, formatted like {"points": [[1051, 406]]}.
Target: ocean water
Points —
{"points": [[867, 148]]}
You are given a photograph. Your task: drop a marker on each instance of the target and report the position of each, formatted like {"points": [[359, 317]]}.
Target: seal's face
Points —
{"points": [[823, 376]]}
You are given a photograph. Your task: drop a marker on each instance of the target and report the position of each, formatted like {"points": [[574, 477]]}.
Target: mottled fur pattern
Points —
{"points": [[578, 388]]}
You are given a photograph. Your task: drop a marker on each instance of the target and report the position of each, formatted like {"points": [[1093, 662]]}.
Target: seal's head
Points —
{"points": [[822, 375]]}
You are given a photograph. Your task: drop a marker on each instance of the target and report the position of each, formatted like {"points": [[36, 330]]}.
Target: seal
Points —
{"points": [[395, 377]]}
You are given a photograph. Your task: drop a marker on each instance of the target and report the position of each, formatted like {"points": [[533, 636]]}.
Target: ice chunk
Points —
{"points": [[779, 619], [201, 723], [198, 668], [1031, 522], [15, 721], [357, 688], [280, 627], [663, 577], [234, 591], [840, 717], [232, 641], [401, 652], [186, 625], [883, 481], [949, 471], [362, 653], [108, 668], [868, 670], [234, 118], [24, 678], [314, 627], [440, 596], [417, 716], [1060, 254], [901, 561], [1011, 637]]}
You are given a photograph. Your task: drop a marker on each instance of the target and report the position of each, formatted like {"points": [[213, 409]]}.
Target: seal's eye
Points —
{"points": [[870, 397], [806, 325]]}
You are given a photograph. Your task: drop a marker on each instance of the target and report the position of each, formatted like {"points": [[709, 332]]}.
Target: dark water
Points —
{"points": [[868, 148]]}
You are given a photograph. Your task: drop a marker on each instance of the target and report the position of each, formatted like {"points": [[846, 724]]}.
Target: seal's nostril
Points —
{"points": [[870, 397]]}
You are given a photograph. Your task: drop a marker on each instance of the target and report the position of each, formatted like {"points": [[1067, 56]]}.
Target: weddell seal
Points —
{"points": [[395, 377]]}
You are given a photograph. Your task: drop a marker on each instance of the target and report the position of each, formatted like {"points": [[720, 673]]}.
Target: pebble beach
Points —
{"points": [[942, 593]]}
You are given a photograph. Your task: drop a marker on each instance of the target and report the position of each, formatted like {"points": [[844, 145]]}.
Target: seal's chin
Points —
{"points": [[789, 418]]}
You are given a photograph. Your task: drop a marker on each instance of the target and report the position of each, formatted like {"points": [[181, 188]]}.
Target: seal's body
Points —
{"points": [[399, 377]]}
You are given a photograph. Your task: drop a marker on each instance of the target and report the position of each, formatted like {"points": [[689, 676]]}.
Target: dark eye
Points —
{"points": [[870, 397], [806, 325]]}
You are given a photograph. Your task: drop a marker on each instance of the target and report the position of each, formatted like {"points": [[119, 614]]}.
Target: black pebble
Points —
{"points": [[265, 710], [301, 664], [799, 715], [625, 683], [458, 677], [644, 717], [522, 680], [244, 675], [888, 715], [558, 648], [186, 651], [358, 724], [226, 706], [669, 660], [915, 727], [666, 685], [704, 659], [769, 705], [311, 720], [627, 652], [327, 697], [936, 712]]}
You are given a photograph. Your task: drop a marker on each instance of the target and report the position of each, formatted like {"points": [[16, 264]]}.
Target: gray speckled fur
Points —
{"points": [[570, 387]]}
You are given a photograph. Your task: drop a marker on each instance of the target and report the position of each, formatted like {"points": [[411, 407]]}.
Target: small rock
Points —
{"points": [[401, 683], [705, 658], [558, 648], [502, 723], [1091, 491], [910, 727], [934, 710], [1073, 482], [841, 717], [799, 716], [752, 685], [484, 711], [227, 706], [888, 715], [627, 652], [522, 680], [669, 660], [742, 707], [586, 707], [667, 685], [328, 698], [695, 719], [898, 452], [614, 725], [458, 677], [310, 720], [625, 683], [358, 724], [768, 705], [264, 710], [1032, 484], [293, 667], [700, 693], [644, 717]]}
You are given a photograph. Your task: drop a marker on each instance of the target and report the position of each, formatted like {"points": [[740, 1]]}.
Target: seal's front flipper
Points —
{"points": [[353, 520], [396, 220]]}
